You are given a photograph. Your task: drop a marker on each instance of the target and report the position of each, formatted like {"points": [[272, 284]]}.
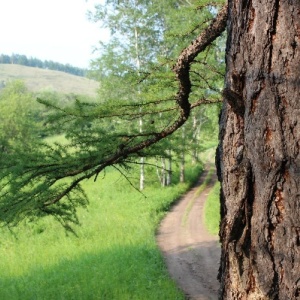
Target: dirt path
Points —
{"points": [[191, 253]]}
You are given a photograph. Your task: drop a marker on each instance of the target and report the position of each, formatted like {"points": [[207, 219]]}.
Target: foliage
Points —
{"points": [[18, 127], [136, 65], [47, 181]]}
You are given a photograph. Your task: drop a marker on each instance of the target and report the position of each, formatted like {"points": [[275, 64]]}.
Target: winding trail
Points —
{"points": [[191, 253]]}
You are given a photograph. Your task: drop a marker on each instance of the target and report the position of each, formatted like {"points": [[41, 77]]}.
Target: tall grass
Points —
{"points": [[212, 210], [113, 256]]}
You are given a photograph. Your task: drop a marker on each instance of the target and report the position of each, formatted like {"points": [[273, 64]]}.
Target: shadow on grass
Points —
{"points": [[129, 272]]}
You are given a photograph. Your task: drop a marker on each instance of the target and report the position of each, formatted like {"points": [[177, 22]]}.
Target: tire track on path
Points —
{"points": [[191, 253]]}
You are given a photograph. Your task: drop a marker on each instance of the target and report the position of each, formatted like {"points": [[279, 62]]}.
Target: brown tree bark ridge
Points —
{"points": [[258, 157]]}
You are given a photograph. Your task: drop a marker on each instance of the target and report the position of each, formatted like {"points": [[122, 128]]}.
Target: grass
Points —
{"points": [[114, 255], [40, 79], [212, 210], [212, 205]]}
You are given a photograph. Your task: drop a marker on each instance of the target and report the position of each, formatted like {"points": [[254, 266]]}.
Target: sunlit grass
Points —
{"points": [[212, 210], [114, 255]]}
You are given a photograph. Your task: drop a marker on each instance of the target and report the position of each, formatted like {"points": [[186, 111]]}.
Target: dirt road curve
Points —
{"points": [[191, 253]]}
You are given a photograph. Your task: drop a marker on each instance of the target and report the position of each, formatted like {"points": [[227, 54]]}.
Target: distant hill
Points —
{"points": [[40, 79], [23, 60]]}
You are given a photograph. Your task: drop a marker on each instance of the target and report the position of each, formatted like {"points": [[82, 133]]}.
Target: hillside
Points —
{"points": [[39, 79]]}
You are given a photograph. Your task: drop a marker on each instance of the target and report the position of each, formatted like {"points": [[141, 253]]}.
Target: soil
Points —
{"points": [[191, 253]]}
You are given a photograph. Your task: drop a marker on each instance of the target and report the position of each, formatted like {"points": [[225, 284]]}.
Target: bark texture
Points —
{"points": [[258, 158]]}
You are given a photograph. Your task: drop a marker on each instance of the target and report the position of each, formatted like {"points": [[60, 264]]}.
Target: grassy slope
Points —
{"points": [[39, 79], [114, 256]]}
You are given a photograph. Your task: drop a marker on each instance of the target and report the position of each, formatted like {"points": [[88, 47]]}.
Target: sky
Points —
{"points": [[56, 30]]}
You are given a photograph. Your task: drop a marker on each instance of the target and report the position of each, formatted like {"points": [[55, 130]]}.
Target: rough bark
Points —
{"points": [[258, 158]]}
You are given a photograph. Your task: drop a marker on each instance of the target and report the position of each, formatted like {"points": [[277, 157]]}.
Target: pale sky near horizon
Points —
{"points": [[56, 30]]}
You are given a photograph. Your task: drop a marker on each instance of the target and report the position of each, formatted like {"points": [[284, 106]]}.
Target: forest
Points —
{"points": [[171, 71]]}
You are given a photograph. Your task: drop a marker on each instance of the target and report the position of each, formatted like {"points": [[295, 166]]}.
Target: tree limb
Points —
{"points": [[36, 187], [182, 73]]}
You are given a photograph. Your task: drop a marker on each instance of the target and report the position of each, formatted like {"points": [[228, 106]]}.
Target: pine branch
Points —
{"points": [[181, 69], [43, 178]]}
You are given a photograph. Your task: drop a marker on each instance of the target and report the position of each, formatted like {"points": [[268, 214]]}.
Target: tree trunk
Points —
{"points": [[195, 141], [169, 168], [258, 157], [142, 161], [163, 172], [182, 157]]}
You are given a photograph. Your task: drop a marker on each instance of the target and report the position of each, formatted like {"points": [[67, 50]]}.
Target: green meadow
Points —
{"points": [[112, 256]]}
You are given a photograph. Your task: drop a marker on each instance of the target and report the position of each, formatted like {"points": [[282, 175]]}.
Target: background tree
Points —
{"points": [[259, 163], [18, 123], [146, 38], [133, 29]]}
